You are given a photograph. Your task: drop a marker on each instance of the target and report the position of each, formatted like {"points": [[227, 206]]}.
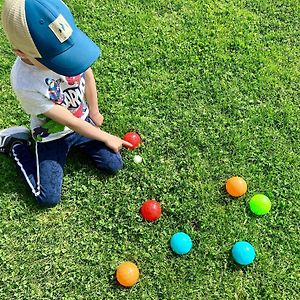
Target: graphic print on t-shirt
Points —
{"points": [[74, 94], [73, 80], [68, 92], [55, 92]]}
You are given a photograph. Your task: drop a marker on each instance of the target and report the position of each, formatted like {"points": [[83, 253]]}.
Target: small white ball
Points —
{"points": [[137, 159]]}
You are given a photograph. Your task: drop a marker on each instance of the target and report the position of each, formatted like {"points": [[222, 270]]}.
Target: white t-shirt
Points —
{"points": [[39, 90]]}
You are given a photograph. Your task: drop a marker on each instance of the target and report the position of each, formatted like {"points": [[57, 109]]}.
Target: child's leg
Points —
{"points": [[104, 158], [43, 171]]}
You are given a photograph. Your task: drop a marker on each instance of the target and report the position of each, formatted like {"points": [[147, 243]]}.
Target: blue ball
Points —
{"points": [[243, 253], [181, 243]]}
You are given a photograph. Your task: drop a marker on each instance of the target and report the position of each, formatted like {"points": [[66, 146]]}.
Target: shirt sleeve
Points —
{"points": [[34, 103]]}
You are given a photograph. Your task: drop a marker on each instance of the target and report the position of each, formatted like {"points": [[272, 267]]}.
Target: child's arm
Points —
{"points": [[62, 116], [91, 97]]}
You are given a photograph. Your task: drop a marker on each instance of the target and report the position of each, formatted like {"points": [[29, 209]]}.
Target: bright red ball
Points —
{"points": [[151, 210], [133, 138]]}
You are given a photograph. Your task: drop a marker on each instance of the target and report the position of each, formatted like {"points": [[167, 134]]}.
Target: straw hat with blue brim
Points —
{"points": [[46, 30]]}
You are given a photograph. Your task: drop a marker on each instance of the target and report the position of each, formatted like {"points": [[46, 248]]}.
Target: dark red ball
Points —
{"points": [[151, 210], [133, 138]]}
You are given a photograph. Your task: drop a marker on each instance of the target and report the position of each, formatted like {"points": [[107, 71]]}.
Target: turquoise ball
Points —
{"points": [[181, 243], [243, 253]]}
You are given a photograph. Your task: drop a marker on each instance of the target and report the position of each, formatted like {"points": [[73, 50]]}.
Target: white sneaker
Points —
{"points": [[12, 136]]}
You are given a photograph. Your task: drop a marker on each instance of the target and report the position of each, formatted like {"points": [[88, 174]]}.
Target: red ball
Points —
{"points": [[133, 138], [151, 210]]}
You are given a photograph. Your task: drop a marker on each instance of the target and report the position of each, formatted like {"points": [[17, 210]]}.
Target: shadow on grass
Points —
{"points": [[233, 267], [13, 182], [113, 282], [226, 199]]}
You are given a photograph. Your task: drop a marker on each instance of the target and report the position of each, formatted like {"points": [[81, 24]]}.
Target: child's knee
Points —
{"points": [[48, 200], [114, 164]]}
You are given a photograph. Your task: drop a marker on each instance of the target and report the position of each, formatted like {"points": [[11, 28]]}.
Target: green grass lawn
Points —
{"points": [[213, 88]]}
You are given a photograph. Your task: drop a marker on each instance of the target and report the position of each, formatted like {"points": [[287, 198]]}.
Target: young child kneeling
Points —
{"points": [[52, 78]]}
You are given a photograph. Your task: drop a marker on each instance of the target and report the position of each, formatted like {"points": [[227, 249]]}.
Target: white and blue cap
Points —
{"points": [[46, 30]]}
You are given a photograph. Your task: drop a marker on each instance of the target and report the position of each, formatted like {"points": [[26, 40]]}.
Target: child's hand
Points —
{"points": [[115, 143], [97, 118]]}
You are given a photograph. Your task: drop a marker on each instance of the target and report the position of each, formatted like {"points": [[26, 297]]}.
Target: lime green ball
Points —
{"points": [[260, 204]]}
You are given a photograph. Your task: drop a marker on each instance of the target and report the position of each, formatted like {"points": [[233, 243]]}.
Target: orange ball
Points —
{"points": [[127, 274], [236, 186]]}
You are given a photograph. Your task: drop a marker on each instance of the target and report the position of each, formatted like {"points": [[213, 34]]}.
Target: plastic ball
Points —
{"points": [[236, 186], [151, 210], [260, 204], [137, 159], [127, 274], [133, 138], [181, 243], [243, 253]]}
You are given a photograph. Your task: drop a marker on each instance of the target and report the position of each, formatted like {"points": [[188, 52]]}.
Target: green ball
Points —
{"points": [[260, 204]]}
